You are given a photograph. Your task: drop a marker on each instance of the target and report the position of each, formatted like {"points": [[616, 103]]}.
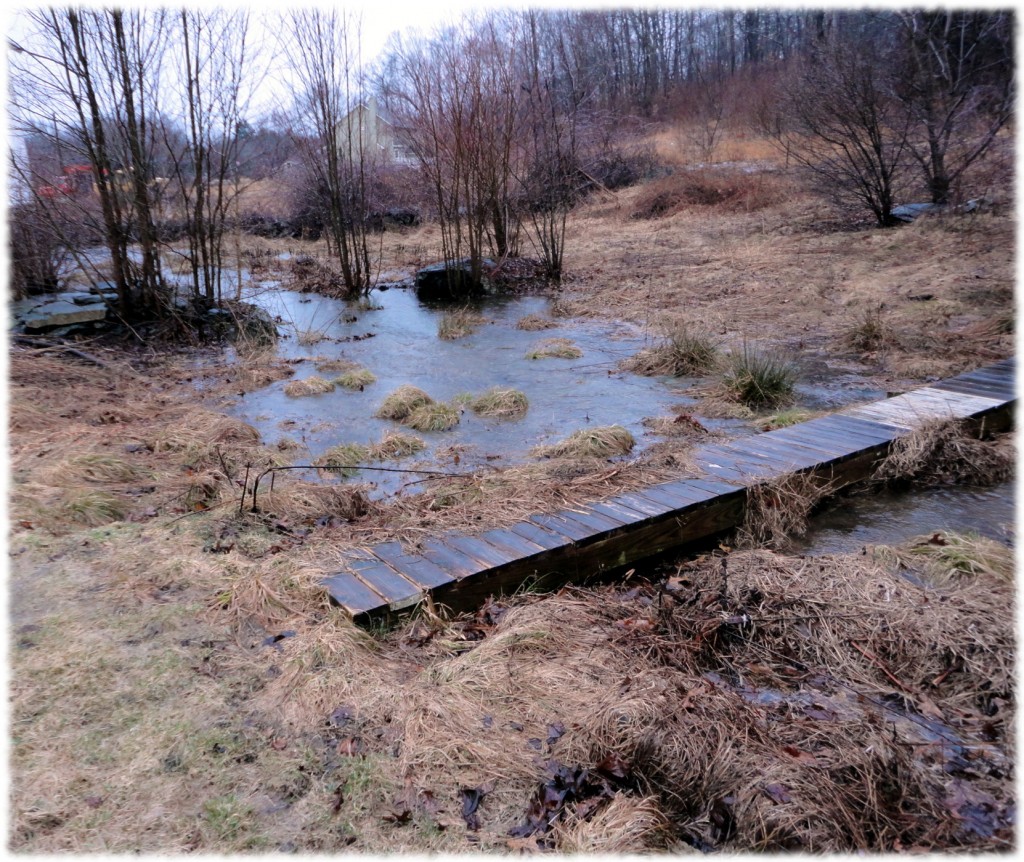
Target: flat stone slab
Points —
{"points": [[62, 314]]}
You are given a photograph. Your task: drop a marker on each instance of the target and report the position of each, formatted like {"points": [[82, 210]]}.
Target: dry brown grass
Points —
{"points": [[554, 348], [602, 442], [312, 385], [945, 451], [777, 510], [726, 190], [534, 322]]}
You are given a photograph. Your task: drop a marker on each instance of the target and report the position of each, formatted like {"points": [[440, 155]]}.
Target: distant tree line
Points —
{"points": [[509, 117]]}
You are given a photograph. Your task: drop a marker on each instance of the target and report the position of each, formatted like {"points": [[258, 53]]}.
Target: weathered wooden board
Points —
{"points": [[549, 549]]}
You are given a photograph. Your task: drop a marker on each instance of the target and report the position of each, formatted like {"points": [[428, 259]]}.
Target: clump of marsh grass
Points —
{"points": [[92, 509], [944, 452], [947, 557], [777, 510], [401, 403], [356, 378], [758, 378], [601, 442], [435, 416], [393, 446], [534, 322], [343, 460], [339, 364], [308, 386], [458, 323], [96, 467], [500, 402], [871, 332], [556, 348], [685, 351]]}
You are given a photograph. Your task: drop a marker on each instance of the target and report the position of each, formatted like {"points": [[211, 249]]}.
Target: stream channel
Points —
{"points": [[565, 395]]}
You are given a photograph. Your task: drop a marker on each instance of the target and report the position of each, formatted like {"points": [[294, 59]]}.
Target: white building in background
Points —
{"points": [[382, 137]]}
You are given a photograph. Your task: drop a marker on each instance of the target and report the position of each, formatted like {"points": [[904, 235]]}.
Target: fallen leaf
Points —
{"points": [[341, 715], [555, 732], [777, 792], [279, 744], [800, 756], [351, 746], [614, 766], [471, 799]]}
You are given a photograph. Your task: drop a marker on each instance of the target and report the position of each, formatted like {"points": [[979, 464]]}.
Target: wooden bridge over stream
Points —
{"points": [[598, 538]]}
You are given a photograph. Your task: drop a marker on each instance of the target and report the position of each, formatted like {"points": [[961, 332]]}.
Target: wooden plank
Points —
{"points": [[397, 591], [643, 504], [594, 521], [449, 559], [1004, 391], [573, 529], [513, 543], [685, 490], [352, 594], [854, 427], [544, 537], [658, 536], [619, 510], [712, 486], [479, 550], [723, 468], [417, 569], [662, 495], [789, 457]]}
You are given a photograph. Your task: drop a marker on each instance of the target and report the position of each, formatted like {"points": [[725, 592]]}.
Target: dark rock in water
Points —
{"points": [[444, 281], [909, 212]]}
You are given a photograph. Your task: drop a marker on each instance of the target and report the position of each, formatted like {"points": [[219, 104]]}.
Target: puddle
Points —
{"points": [[888, 518], [403, 347]]}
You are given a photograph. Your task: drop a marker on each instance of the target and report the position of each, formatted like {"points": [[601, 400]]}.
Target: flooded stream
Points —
{"points": [[849, 523], [403, 347]]}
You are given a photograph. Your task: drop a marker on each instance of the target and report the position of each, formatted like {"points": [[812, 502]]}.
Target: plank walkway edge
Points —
{"points": [[550, 549]]}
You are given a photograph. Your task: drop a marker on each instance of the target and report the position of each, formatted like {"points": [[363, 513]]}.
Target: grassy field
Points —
{"points": [[179, 683]]}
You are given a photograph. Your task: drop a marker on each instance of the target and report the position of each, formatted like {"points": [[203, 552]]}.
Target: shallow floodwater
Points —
{"points": [[565, 395], [849, 523]]}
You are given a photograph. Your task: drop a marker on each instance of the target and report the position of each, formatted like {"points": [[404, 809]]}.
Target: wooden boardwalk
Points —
{"points": [[551, 549]]}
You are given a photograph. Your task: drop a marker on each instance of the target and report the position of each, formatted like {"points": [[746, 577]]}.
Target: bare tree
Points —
{"points": [[957, 86], [839, 120], [98, 70], [339, 151]]}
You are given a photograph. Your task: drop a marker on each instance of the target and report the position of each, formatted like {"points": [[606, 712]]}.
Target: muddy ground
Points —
{"points": [[179, 683]]}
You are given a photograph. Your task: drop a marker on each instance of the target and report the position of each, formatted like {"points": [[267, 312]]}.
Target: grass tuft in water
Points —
{"points": [[759, 378], [343, 460], [685, 351], [534, 323], [435, 416], [394, 445], [458, 324], [500, 402], [401, 403], [601, 442], [356, 378], [554, 348], [309, 386]]}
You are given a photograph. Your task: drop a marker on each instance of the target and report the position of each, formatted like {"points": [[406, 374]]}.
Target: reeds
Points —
{"points": [[685, 351], [458, 323]]}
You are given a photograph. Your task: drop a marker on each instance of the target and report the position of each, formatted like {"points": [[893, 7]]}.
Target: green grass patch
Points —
{"points": [[93, 509]]}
